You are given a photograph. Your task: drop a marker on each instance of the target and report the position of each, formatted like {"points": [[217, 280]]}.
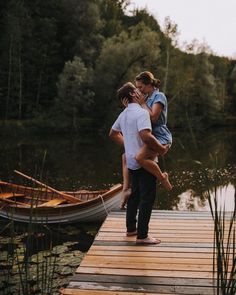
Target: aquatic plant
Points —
{"points": [[224, 266], [32, 272], [224, 258]]}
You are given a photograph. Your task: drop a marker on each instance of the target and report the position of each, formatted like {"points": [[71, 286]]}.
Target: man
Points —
{"points": [[132, 129]]}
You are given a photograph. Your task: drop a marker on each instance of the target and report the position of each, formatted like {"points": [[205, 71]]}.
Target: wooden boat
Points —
{"points": [[40, 205]]}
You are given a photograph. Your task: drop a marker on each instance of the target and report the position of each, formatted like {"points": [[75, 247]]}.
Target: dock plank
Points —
{"points": [[146, 272], [181, 264], [96, 292]]}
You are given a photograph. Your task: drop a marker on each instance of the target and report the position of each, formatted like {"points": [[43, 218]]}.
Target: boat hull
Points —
{"points": [[95, 209]]}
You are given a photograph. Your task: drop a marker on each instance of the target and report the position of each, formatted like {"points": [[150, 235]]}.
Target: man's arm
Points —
{"points": [[151, 142], [117, 137]]}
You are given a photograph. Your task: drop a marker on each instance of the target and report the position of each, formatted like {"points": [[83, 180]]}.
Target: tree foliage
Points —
{"points": [[68, 57], [121, 58], [75, 97]]}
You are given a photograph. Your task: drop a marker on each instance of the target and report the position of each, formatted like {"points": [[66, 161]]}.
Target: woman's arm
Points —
{"points": [[156, 109], [154, 112]]}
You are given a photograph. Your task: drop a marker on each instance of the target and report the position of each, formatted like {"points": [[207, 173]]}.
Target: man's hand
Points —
{"points": [[138, 97], [125, 102]]}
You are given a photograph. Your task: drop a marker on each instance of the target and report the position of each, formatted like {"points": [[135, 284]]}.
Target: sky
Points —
{"points": [[209, 21]]}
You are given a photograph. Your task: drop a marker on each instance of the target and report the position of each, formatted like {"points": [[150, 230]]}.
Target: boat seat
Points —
{"points": [[52, 203], [10, 195]]}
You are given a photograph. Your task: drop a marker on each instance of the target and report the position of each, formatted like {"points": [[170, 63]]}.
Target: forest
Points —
{"points": [[62, 62]]}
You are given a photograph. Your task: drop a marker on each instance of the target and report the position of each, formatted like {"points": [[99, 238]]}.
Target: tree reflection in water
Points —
{"points": [[95, 162]]}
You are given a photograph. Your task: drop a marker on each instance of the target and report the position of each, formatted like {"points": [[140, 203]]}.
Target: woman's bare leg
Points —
{"points": [[145, 158], [125, 172], [126, 183]]}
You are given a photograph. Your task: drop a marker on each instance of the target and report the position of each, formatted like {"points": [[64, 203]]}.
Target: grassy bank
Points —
{"points": [[44, 126], [83, 125]]}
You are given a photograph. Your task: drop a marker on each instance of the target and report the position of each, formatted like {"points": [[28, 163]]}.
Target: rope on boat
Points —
{"points": [[103, 204]]}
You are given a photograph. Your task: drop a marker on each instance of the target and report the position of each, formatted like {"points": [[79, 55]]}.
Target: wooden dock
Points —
{"points": [[181, 264]]}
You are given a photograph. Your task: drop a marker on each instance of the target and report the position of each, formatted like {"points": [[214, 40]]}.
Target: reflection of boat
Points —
{"points": [[38, 205]]}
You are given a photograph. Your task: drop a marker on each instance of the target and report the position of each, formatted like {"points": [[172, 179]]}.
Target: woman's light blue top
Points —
{"points": [[159, 129]]}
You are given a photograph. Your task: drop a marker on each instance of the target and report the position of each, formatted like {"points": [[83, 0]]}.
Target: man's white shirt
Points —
{"points": [[130, 122]]}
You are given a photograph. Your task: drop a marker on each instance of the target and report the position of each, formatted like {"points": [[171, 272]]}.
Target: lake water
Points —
{"points": [[195, 163], [198, 166]]}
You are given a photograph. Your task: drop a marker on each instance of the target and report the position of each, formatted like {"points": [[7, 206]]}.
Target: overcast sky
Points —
{"points": [[210, 21]]}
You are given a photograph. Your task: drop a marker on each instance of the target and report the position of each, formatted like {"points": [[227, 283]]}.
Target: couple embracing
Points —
{"points": [[141, 129]]}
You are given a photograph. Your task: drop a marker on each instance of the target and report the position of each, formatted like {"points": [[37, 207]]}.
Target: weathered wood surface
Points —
{"points": [[10, 195], [181, 264], [53, 202]]}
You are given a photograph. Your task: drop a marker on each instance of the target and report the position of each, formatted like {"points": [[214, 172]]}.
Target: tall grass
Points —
{"points": [[224, 260], [31, 265], [35, 275], [224, 266], [224, 243]]}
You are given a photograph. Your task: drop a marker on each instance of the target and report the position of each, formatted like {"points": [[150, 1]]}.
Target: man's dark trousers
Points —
{"points": [[143, 186]]}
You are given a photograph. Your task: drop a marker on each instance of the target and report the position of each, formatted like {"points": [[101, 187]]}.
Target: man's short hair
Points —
{"points": [[125, 91]]}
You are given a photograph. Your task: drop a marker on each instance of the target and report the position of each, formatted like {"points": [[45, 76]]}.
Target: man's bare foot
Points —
{"points": [[165, 182], [148, 241], [125, 195], [131, 233]]}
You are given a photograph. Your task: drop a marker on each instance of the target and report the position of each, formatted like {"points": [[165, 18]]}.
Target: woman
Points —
{"points": [[155, 103]]}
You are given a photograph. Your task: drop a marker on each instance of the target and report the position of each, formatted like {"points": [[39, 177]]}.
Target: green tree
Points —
{"points": [[195, 100], [29, 56], [113, 16], [171, 33], [75, 99], [232, 90], [14, 28], [80, 30], [39, 37], [121, 58], [141, 15]]}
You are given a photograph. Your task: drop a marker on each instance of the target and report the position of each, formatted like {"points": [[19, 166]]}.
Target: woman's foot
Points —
{"points": [[165, 182], [125, 195]]}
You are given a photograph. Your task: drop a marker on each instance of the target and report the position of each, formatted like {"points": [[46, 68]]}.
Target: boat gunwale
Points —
{"points": [[100, 195]]}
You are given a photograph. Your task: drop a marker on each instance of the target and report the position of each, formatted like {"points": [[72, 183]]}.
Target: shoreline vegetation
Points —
{"points": [[84, 126], [62, 62], [44, 126]]}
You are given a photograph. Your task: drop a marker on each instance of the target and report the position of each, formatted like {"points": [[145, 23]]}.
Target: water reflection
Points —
{"points": [[195, 165], [190, 200], [95, 162], [32, 256]]}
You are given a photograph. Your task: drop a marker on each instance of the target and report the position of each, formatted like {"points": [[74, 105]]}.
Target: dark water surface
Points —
{"points": [[94, 163], [196, 164]]}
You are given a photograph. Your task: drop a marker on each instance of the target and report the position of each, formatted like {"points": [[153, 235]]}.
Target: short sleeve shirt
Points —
{"points": [[159, 129], [130, 122]]}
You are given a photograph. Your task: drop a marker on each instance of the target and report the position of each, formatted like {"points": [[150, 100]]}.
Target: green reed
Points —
{"points": [[224, 259], [35, 277], [224, 262]]}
